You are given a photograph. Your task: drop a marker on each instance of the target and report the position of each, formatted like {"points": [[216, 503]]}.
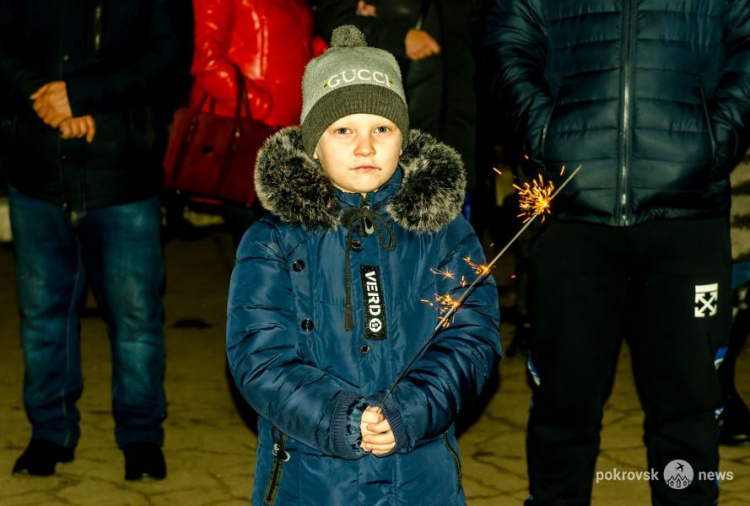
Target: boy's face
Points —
{"points": [[359, 152]]}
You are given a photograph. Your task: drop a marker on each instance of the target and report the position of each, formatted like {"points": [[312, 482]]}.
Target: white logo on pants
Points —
{"points": [[706, 300]]}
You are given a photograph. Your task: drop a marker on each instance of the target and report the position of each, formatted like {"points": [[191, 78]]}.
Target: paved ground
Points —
{"points": [[210, 452]]}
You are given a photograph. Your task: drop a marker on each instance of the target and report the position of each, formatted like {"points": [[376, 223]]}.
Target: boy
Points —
{"points": [[326, 303]]}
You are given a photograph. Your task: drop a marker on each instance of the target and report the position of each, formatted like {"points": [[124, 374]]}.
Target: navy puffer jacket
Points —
{"points": [[651, 97], [308, 377]]}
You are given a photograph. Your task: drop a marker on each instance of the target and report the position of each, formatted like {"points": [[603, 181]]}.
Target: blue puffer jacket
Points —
{"points": [[308, 377], [651, 97]]}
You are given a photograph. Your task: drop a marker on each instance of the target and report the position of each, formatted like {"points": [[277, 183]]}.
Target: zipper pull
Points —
{"points": [[97, 26]]}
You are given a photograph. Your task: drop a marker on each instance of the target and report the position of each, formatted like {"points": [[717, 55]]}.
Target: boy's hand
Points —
{"points": [[371, 415], [377, 436]]}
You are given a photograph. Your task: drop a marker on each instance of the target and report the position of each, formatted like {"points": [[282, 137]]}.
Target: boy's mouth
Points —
{"points": [[365, 167]]}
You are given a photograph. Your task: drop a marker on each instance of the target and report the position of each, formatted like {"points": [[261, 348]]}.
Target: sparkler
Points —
{"points": [[446, 273], [477, 268], [534, 199], [537, 197], [444, 304]]}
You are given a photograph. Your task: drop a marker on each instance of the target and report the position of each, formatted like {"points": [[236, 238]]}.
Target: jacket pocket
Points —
{"points": [[456, 461], [710, 128]]}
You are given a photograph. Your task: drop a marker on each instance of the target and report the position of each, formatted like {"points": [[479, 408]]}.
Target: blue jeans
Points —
{"points": [[118, 250]]}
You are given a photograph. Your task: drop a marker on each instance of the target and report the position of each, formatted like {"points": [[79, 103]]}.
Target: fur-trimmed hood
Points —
{"points": [[293, 186]]}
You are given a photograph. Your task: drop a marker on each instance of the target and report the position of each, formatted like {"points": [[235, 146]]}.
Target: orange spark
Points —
{"points": [[478, 268], [444, 304], [446, 273], [534, 198], [563, 170], [495, 169]]}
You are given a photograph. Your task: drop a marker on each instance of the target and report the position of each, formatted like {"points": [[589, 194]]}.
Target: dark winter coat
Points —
{"points": [[113, 56], [308, 377], [439, 89], [650, 97]]}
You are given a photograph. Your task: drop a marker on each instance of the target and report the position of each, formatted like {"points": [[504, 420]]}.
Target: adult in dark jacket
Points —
{"points": [[434, 43], [651, 99], [84, 179]]}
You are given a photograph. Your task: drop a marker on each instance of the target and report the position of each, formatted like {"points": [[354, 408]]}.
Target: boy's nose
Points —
{"points": [[364, 147]]}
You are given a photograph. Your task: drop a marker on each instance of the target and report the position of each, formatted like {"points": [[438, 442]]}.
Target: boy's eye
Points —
{"points": [[382, 129], [342, 131]]}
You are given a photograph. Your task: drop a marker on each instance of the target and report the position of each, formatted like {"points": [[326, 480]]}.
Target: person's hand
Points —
{"points": [[371, 415], [364, 9], [51, 103], [420, 44], [377, 436], [76, 128]]}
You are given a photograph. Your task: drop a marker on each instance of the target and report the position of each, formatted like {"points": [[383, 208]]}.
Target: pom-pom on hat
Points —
{"points": [[351, 78]]}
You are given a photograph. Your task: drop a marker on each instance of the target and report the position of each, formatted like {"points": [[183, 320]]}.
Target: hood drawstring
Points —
{"points": [[366, 220]]}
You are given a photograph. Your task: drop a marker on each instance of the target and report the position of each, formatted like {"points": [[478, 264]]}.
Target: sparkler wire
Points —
{"points": [[481, 277]]}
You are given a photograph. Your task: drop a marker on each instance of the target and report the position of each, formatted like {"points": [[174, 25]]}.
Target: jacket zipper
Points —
{"points": [[280, 455], [97, 26], [369, 226], [456, 461], [60, 70], [621, 208]]}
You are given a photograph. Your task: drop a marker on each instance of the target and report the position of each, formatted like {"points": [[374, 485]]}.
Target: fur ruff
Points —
{"points": [[293, 186]]}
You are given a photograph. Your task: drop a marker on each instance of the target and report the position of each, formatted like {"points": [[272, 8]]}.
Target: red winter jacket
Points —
{"points": [[270, 40]]}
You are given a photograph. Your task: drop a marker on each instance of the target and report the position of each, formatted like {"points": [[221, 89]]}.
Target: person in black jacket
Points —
{"points": [[651, 101], [433, 40], [85, 78]]}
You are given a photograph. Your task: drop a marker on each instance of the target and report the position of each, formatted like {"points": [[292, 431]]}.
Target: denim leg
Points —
{"points": [[51, 281], [122, 253]]}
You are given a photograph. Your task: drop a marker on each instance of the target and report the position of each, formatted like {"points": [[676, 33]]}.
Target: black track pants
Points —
{"points": [[664, 287]]}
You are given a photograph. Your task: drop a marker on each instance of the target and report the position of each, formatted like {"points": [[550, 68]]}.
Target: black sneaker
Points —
{"points": [[144, 461], [41, 457]]}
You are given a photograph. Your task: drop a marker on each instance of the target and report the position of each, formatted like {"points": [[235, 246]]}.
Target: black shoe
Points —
{"points": [[734, 428], [41, 457], [144, 461]]}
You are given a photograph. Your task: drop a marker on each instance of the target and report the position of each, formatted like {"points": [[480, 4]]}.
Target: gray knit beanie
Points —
{"points": [[351, 78]]}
